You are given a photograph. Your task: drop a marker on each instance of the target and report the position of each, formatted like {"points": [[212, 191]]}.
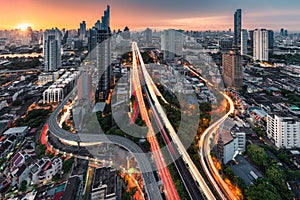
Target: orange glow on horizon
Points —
{"points": [[23, 27], [137, 16], [51, 14]]}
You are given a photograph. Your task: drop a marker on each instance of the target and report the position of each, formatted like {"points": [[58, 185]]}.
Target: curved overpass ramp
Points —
{"points": [[86, 139]]}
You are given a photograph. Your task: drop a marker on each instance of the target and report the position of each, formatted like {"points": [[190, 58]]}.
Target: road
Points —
{"points": [[204, 143], [180, 165], [185, 175], [182, 150], [73, 139], [169, 187], [206, 161], [210, 170]]}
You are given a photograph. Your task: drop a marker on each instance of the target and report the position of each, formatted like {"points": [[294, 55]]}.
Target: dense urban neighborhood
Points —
{"points": [[96, 113]]}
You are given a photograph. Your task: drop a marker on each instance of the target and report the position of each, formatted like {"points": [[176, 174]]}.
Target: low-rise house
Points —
{"points": [[7, 145], [44, 170]]}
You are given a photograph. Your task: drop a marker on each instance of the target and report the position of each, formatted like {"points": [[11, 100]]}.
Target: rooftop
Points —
{"points": [[105, 176], [225, 129], [245, 170], [16, 130], [71, 189], [99, 107]]}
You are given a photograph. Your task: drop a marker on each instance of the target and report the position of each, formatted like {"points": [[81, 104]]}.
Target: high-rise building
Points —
{"points": [[85, 86], [52, 49], [270, 40], [126, 33], [148, 35], [232, 69], [65, 37], [244, 42], [284, 130], [260, 45], [237, 28], [251, 36], [282, 32], [82, 30], [98, 25], [99, 45], [106, 19], [171, 43]]}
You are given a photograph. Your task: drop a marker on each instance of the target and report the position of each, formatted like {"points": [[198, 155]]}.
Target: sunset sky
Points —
{"points": [[139, 14]]}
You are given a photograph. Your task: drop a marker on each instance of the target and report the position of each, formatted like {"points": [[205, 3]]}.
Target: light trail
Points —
{"points": [[193, 169], [206, 161], [170, 189]]}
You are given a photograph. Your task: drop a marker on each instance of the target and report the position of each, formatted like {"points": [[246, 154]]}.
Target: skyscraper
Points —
{"points": [[282, 32], [260, 45], [271, 40], [98, 25], [103, 63], [126, 33], [232, 69], [85, 86], [237, 28], [52, 49], [106, 19], [82, 30], [244, 42], [148, 35], [99, 50], [171, 43]]}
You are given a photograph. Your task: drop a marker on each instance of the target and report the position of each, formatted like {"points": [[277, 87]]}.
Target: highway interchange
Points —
{"points": [[151, 185], [193, 180]]}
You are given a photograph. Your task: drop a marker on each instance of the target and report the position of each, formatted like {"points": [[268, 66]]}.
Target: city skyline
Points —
{"points": [[195, 15]]}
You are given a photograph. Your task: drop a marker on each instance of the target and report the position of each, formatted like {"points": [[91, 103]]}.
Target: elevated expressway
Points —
{"points": [[86, 139], [163, 121], [169, 187]]}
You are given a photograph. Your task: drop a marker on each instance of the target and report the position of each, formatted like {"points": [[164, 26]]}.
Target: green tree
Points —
{"points": [[257, 155], [56, 177], [275, 174], [278, 179], [67, 165], [23, 186], [258, 131], [65, 126], [263, 190], [42, 149]]}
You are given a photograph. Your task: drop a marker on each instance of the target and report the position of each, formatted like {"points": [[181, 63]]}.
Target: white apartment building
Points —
{"points": [[244, 42], [53, 94], [57, 91], [171, 43], [231, 142], [284, 130], [260, 45]]}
